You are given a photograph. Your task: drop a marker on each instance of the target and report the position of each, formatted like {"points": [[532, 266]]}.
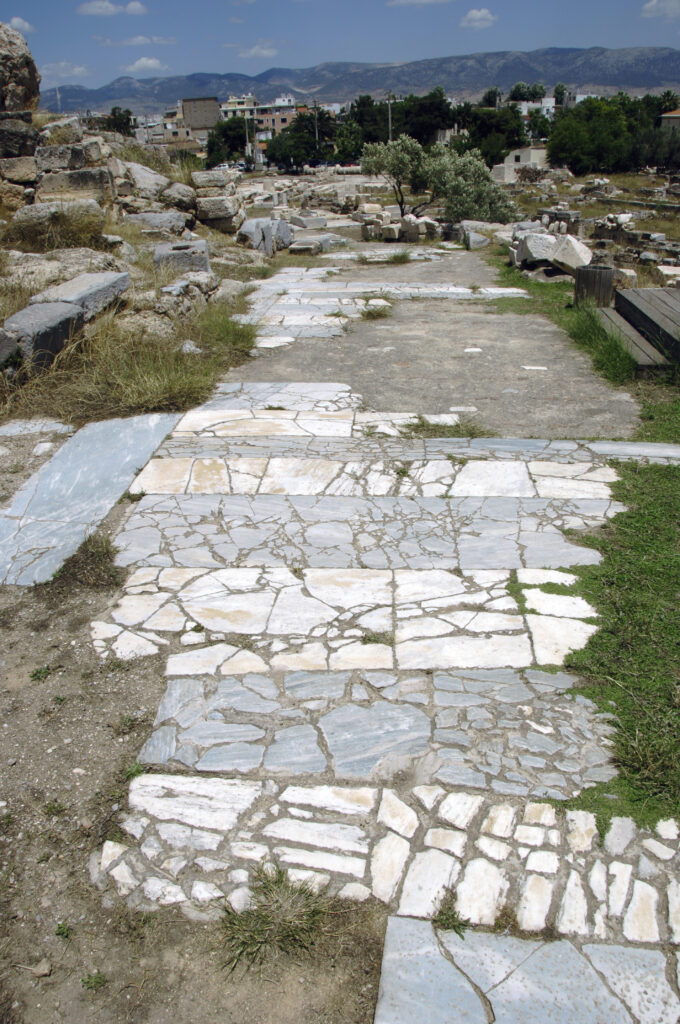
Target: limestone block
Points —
{"points": [[369, 232], [12, 196], [389, 233], [42, 330], [69, 128], [223, 213], [19, 78], [183, 197], [282, 234], [171, 221], [147, 183], [473, 240], [93, 150], [9, 345], [409, 228], [90, 292], [229, 290], [666, 275], [22, 170], [214, 178], [60, 158], [183, 256], [569, 254], [534, 248], [305, 248], [33, 222], [17, 138], [309, 222], [97, 182]]}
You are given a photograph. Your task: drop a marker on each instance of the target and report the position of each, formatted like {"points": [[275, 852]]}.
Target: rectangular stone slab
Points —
{"points": [[91, 292], [42, 330], [69, 496]]}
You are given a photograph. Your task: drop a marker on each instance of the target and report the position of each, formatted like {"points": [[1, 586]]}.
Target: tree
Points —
{"points": [[560, 94], [539, 125], [424, 116], [309, 139], [460, 182], [491, 98], [398, 162], [536, 92], [519, 93], [349, 142], [226, 141], [493, 132], [119, 121]]}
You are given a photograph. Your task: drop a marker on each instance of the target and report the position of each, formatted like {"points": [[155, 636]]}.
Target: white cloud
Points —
{"points": [[478, 17], [61, 71], [661, 9], [105, 8], [21, 26], [237, 21], [414, 3], [262, 48], [136, 41], [145, 64]]}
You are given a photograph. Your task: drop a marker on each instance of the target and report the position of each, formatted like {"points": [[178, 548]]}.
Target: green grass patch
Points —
{"points": [[631, 666], [92, 566], [376, 312], [283, 919], [111, 371], [448, 919]]}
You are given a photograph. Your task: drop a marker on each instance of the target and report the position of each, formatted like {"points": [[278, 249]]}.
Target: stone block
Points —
{"points": [[9, 345], [183, 256], [147, 183], [169, 222], [666, 275], [309, 247], [212, 179], [90, 292], [60, 158], [43, 329], [36, 222], [183, 197], [369, 232], [569, 254], [268, 236], [92, 149], [473, 240], [12, 196], [228, 290], [17, 138], [223, 213], [69, 128], [22, 170], [389, 233], [535, 248], [309, 222], [94, 181], [409, 228]]}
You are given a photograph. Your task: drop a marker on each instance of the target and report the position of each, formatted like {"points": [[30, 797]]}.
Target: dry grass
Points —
{"points": [[61, 231], [113, 372]]}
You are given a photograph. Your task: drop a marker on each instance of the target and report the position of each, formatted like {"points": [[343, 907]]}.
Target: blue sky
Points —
{"points": [[95, 41]]}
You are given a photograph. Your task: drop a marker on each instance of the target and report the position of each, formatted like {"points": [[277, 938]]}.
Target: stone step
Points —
{"points": [[441, 477], [281, 619], [214, 531], [281, 422]]}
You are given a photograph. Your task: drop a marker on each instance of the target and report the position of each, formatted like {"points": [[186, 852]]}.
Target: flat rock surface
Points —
{"points": [[522, 374]]}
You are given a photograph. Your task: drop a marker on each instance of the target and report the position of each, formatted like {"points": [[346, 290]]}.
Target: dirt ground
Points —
{"points": [[70, 726]]}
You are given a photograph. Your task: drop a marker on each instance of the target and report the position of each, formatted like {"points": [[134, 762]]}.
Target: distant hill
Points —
{"points": [[593, 70]]}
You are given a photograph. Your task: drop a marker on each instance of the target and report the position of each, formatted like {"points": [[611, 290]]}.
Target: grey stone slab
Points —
{"points": [[73, 492], [206, 734], [554, 984], [43, 330], [295, 751], [419, 984], [638, 976], [19, 427], [183, 256], [91, 292], [160, 746], [314, 685], [234, 757], [375, 741]]}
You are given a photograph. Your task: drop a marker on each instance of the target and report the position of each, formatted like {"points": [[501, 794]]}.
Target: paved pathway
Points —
{"points": [[362, 639]]}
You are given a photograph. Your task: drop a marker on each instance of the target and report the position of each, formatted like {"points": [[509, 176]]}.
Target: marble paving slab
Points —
{"points": [[52, 513]]}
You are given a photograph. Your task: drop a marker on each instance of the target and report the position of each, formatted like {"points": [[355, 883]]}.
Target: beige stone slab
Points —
{"points": [[163, 476], [209, 476], [465, 652], [570, 489], [555, 638], [298, 476]]}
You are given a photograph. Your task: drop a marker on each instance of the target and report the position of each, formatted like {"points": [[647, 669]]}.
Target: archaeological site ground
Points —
{"points": [[339, 653]]}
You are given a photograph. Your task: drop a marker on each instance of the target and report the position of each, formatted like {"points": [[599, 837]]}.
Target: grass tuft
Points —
{"points": [[376, 312], [92, 566], [447, 917], [114, 372], [284, 918], [465, 427]]}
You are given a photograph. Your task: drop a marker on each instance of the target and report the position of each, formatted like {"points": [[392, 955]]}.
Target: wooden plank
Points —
{"points": [[642, 352], [595, 285], [645, 299], [660, 330], [667, 300]]}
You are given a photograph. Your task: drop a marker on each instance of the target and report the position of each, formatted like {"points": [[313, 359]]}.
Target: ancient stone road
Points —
{"points": [[363, 637]]}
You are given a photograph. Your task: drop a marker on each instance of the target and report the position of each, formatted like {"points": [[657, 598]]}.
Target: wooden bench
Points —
{"points": [[642, 352]]}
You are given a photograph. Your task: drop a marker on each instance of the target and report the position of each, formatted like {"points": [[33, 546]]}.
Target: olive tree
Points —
{"points": [[459, 182]]}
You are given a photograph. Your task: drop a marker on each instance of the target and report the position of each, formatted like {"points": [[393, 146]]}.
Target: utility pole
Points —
{"points": [[390, 97], [316, 122]]}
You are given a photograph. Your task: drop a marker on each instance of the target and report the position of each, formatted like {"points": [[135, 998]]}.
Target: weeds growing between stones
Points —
{"points": [[283, 918]]}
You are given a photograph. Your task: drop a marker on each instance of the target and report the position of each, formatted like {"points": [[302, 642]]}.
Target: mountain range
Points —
{"points": [[634, 69]]}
